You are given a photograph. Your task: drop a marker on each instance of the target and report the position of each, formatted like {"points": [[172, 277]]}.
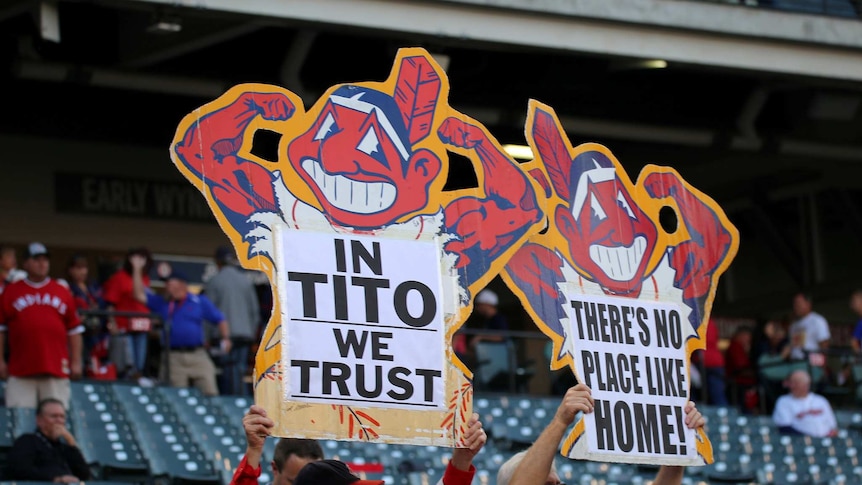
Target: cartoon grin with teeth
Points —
{"points": [[604, 235]]}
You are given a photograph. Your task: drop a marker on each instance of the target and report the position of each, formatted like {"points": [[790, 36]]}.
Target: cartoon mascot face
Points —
{"points": [[359, 160], [620, 237]]}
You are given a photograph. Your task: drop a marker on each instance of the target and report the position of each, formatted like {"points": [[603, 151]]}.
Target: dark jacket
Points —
{"points": [[34, 457]]}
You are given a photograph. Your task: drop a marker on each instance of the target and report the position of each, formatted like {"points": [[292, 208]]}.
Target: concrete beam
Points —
{"points": [[473, 21], [154, 56]]}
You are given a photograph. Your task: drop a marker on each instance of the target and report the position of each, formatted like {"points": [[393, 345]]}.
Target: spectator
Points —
{"points": [[711, 361], [258, 426], [485, 306], [186, 312], [291, 454], [856, 306], [38, 315], [128, 349], [774, 342], [810, 332], [9, 272], [740, 369], [802, 411], [234, 294], [41, 456], [87, 296], [536, 465]]}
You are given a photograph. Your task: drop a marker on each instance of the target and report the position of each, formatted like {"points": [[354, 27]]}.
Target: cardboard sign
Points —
{"points": [[624, 298], [374, 266]]}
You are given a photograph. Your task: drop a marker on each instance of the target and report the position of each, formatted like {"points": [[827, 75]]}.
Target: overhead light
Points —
{"points": [[165, 25], [49, 21], [521, 152], [654, 64], [635, 64]]}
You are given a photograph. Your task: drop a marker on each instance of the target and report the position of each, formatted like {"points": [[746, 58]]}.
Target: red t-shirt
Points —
{"points": [[118, 292], [37, 318]]}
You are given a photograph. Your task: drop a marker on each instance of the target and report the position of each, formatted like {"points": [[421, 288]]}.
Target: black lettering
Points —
{"points": [[627, 323], [636, 375], [615, 321], [641, 314], [668, 377], [340, 259], [377, 346], [646, 428], [624, 373], [351, 342], [678, 412], [611, 373], [374, 262], [665, 412], [603, 322], [661, 328], [592, 321], [429, 304], [604, 426], [339, 379], [577, 305], [403, 384], [360, 381], [429, 375], [371, 285], [675, 330], [623, 419], [309, 300], [305, 367], [680, 378], [589, 366], [339, 290]]}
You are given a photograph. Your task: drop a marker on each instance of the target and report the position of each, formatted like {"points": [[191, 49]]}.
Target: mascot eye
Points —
{"points": [[326, 128], [598, 212], [621, 200], [369, 143]]}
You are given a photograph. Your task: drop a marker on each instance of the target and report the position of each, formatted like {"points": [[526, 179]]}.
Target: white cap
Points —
{"points": [[35, 249], [487, 297]]}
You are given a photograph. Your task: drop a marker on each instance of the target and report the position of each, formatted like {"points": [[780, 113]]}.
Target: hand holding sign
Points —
{"points": [[577, 399], [472, 442], [257, 427]]}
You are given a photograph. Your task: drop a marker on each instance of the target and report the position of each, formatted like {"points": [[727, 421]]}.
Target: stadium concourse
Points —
{"points": [[162, 435]]}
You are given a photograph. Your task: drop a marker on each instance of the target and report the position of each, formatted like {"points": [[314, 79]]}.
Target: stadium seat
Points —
{"points": [[166, 441], [104, 435]]}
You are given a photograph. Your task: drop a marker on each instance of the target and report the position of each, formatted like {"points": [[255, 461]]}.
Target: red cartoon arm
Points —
{"points": [[697, 258], [209, 149], [488, 226]]}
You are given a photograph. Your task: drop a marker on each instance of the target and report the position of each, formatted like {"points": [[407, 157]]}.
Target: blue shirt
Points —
{"points": [[857, 333], [186, 317]]}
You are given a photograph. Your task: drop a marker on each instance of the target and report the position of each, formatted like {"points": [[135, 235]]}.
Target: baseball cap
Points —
{"points": [[35, 249], [329, 472], [225, 254], [487, 297]]}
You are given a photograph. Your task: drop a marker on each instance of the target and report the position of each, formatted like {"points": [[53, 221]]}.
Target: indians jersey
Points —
{"points": [[37, 319]]}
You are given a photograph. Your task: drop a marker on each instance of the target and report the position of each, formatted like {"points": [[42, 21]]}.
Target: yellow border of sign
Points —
{"points": [[342, 422]]}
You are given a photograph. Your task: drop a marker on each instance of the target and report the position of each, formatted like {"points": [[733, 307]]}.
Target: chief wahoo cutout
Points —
{"points": [[624, 298], [373, 264]]}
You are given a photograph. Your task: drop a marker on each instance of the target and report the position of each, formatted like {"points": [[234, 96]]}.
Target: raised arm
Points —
{"points": [[209, 150], [257, 427], [139, 291], [672, 475], [487, 226], [534, 468]]}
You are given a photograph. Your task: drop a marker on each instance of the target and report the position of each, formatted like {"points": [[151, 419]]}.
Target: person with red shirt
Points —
{"points": [[129, 335], [38, 316], [258, 426]]}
